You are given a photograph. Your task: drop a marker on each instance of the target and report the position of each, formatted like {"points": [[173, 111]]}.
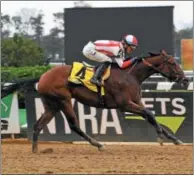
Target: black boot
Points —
{"points": [[96, 79]]}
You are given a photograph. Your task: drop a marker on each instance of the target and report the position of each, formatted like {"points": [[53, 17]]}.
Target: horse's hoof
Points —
{"points": [[34, 150], [34, 147], [160, 141], [101, 148], [49, 150], [178, 142]]}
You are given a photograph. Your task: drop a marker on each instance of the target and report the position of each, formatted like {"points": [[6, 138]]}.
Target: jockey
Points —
{"points": [[108, 51]]}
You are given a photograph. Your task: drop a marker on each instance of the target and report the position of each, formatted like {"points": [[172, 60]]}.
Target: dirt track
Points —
{"points": [[85, 159]]}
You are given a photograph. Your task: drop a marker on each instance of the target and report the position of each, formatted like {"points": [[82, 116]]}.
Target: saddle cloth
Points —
{"points": [[82, 73]]}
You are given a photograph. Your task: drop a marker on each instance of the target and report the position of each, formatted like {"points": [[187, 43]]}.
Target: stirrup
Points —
{"points": [[96, 81]]}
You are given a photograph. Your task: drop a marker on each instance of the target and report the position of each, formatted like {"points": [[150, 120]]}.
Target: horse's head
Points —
{"points": [[169, 68]]}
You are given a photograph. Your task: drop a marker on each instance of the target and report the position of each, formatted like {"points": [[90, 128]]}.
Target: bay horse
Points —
{"points": [[123, 92]]}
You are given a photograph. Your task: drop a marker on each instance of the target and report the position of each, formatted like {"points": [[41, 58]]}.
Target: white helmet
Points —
{"points": [[130, 40]]}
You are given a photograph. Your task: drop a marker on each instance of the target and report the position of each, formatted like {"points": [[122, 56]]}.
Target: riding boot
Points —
{"points": [[96, 79]]}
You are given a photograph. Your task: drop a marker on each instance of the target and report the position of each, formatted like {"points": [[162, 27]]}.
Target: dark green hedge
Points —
{"points": [[13, 73]]}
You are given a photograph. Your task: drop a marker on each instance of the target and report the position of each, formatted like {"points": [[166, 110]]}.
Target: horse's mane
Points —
{"points": [[151, 54]]}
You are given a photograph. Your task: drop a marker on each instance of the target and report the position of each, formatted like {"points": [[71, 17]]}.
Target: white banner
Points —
{"points": [[10, 114]]}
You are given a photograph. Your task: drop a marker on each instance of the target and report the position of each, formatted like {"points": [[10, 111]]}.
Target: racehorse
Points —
{"points": [[123, 92]]}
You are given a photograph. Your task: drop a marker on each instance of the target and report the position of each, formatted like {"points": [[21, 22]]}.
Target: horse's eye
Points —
{"points": [[171, 61]]}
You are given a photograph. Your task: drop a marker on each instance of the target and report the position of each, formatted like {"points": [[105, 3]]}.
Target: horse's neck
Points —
{"points": [[142, 71]]}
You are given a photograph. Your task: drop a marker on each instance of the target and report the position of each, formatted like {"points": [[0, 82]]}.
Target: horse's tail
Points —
{"points": [[13, 86]]}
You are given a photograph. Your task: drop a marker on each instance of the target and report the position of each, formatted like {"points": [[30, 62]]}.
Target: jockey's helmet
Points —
{"points": [[130, 40]]}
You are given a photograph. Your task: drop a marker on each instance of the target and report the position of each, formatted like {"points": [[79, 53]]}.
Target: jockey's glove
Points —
{"points": [[138, 58]]}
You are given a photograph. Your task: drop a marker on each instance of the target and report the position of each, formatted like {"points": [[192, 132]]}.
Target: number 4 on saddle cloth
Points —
{"points": [[81, 73]]}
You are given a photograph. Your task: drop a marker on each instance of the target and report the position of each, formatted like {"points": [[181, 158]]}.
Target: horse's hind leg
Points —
{"points": [[73, 123], [51, 107]]}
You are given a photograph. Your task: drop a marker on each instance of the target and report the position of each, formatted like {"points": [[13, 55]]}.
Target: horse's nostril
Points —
{"points": [[185, 80]]}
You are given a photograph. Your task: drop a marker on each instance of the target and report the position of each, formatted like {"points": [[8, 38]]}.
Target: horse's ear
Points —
{"points": [[163, 52]]}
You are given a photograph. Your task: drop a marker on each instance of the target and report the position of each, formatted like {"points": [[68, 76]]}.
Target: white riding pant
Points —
{"points": [[90, 52]]}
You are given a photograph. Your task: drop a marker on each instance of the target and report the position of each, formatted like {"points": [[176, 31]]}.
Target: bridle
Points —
{"points": [[165, 62]]}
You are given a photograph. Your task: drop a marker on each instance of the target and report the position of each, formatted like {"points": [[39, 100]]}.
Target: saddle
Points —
{"points": [[81, 73]]}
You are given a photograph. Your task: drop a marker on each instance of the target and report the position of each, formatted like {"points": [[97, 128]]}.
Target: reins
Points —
{"points": [[129, 71], [155, 68]]}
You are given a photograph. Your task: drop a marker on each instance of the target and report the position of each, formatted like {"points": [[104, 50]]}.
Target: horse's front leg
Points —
{"points": [[168, 135], [148, 115]]}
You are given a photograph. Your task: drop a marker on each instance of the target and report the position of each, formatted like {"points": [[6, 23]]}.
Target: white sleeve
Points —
{"points": [[120, 58], [119, 61]]}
